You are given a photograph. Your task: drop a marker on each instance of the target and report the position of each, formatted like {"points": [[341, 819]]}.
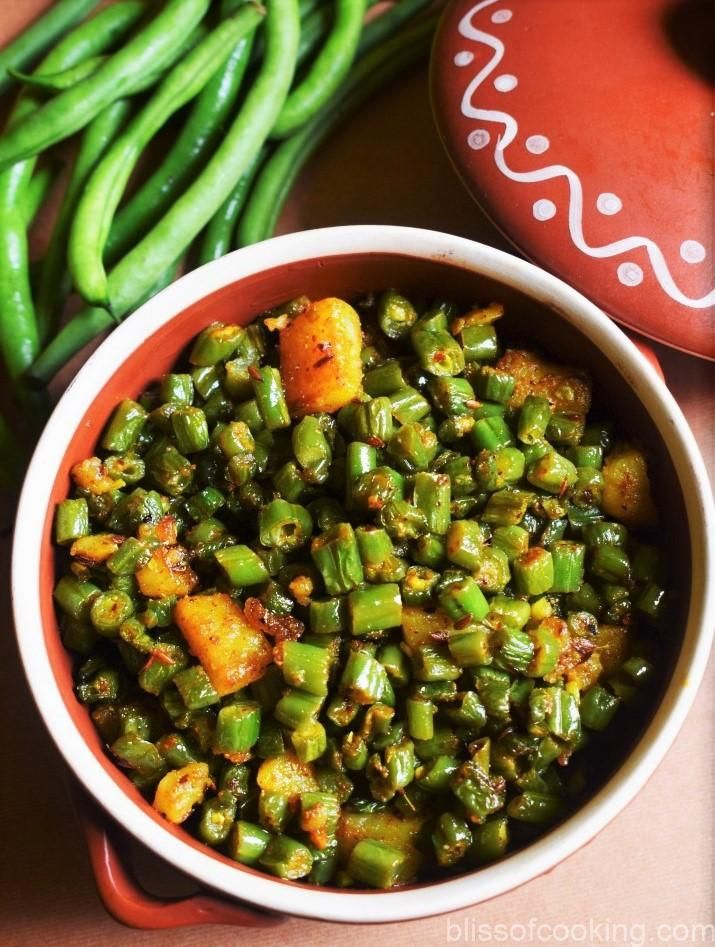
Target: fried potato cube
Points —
{"points": [[180, 790], [320, 358], [567, 389], [165, 531], [386, 827], [286, 774], [231, 651], [626, 487], [92, 550], [585, 674], [91, 475], [167, 573]]}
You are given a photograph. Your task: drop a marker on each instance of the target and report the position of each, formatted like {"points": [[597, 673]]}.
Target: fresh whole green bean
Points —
{"points": [[74, 108], [19, 332], [278, 174], [26, 48], [106, 184], [327, 71], [58, 81], [218, 237], [53, 280], [258, 219], [198, 135], [140, 269], [38, 187]]}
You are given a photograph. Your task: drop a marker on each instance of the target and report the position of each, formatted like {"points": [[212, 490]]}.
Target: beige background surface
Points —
{"points": [[648, 878]]}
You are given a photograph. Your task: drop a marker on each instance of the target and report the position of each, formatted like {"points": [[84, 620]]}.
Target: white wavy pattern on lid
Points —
{"points": [[575, 210]]}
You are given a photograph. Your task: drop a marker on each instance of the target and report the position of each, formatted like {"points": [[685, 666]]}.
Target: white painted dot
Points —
{"points": [[692, 251], [478, 139], [505, 83], [544, 209], [630, 274], [537, 144], [463, 58], [609, 203], [502, 16]]}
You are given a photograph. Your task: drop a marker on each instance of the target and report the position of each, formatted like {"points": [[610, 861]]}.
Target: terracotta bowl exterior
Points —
{"points": [[348, 262], [584, 130]]}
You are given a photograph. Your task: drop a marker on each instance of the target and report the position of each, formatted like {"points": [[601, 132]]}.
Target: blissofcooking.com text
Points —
{"points": [[590, 932]]}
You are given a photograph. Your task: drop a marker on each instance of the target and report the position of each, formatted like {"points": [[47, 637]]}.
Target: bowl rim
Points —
{"points": [[470, 888]]}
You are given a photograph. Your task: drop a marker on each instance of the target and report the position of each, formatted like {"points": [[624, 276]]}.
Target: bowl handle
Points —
{"points": [[129, 904], [648, 354]]}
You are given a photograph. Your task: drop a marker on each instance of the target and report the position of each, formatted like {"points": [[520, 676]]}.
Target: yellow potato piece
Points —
{"points": [[231, 651], [626, 487], [286, 774], [91, 475], [567, 389], [180, 790], [95, 549], [385, 827], [165, 531], [320, 358], [167, 573], [586, 674]]}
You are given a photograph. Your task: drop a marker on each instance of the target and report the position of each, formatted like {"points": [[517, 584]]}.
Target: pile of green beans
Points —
{"points": [[243, 77], [454, 616]]}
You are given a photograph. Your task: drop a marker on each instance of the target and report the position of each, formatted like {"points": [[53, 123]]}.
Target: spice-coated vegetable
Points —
{"points": [[358, 652]]}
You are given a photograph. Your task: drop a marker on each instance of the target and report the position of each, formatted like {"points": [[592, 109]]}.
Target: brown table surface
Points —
{"points": [[652, 866]]}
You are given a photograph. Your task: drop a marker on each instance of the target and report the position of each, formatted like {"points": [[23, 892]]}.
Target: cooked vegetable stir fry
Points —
{"points": [[350, 589]]}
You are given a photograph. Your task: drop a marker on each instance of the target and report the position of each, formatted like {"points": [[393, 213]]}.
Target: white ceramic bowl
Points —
{"points": [[349, 260]]}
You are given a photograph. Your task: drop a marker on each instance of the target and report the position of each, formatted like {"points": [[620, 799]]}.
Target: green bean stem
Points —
{"points": [[82, 329]]}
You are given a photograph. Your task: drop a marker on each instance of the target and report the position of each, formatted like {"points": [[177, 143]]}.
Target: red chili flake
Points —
{"points": [[157, 656], [439, 356], [463, 621], [564, 488], [374, 441], [254, 373]]}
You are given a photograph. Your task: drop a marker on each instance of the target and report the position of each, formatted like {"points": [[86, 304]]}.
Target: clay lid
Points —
{"points": [[585, 132]]}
